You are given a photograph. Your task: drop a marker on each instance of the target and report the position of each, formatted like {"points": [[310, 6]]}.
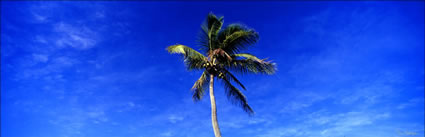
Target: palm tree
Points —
{"points": [[222, 55]]}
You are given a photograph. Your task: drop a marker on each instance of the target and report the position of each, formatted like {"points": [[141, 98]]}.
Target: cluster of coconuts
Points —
{"points": [[212, 69]]}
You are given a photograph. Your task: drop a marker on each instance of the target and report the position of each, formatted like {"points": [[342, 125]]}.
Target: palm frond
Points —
{"points": [[236, 96], [237, 38], [214, 24], [251, 64], [203, 39], [192, 58], [233, 78], [209, 32], [199, 86], [229, 29], [247, 56]]}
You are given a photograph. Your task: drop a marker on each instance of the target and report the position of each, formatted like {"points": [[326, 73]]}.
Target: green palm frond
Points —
{"points": [[210, 30], [252, 64], [199, 86], [230, 29], [192, 58], [247, 56], [236, 97], [237, 38], [233, 78], [214, 24], [203, 40]]}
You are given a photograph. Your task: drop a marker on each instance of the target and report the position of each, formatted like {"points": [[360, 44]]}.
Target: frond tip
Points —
{"points": [[199, 87], [192, 58], [236, 96], [250, 63]]}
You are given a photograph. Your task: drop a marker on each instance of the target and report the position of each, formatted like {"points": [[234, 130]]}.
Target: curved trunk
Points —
{"points": [[214, 109]]}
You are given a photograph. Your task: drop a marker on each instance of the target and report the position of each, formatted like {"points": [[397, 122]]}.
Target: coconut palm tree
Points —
{"points": [[221, 48]]}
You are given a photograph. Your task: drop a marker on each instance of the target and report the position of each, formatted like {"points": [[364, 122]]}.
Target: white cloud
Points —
{"points": [[131, 104], [79, 37], [54, 66], [302, 101], [64, 61], [39, 17], [40, 58], [230, 124], [41, 12], [411, 103], [256, 121], [339, 124], [325, 124], [283, 132], [73, 118], [174, 119], [167, 134]]}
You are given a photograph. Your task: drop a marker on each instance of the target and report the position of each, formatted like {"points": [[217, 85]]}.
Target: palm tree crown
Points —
{"points": [[222, 54]]}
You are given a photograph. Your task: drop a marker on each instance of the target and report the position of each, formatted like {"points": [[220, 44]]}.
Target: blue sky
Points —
{"points": [[100, 69]]}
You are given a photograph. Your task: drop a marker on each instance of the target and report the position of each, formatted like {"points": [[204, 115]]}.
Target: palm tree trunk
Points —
{"points": [[214, 109]]}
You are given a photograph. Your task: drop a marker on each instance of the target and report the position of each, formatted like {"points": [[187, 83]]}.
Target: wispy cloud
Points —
{"points": [[341, 124], [303, 101], [76, 119], [323, 123], [174, 119], [411, 103], [40, 58], [77, 37], [167, 134]]}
